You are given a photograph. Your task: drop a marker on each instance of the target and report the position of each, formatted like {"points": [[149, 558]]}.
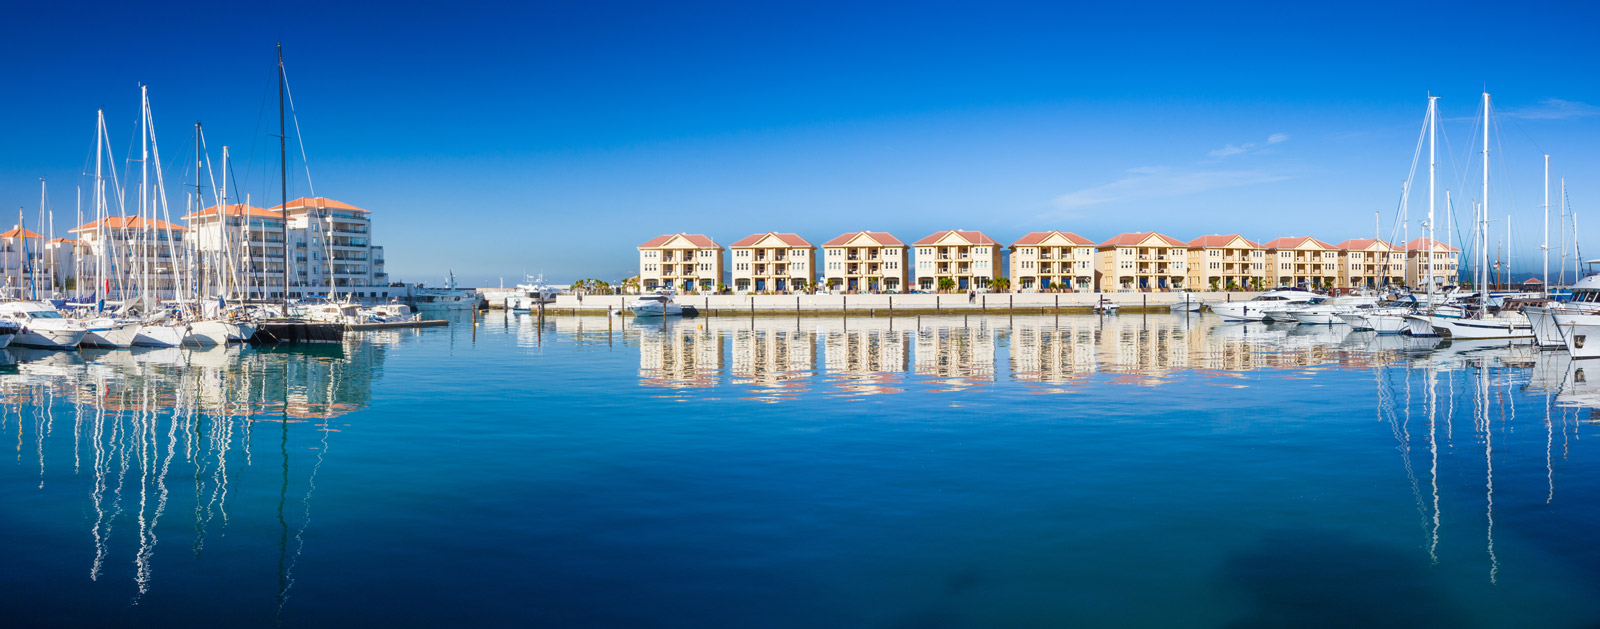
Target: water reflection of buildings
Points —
{"points": [[959, 357], [774, 359], [679, 353], [865, 356], [164, 434]]}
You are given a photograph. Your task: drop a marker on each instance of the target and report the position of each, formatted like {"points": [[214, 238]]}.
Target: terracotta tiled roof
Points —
{"points": [[883, 238], [236, 209], [1220, 240], [1360, 243], [130, 222], [64, 240], [791, 240], [1290, 242], [1421, 244], [18, 230], [1532, 280], [319, 202], [1134, 238], [974, 237], [697, 240], [1034, 238]]}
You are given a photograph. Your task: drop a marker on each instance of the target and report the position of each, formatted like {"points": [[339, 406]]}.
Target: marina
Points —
{"points": [[821, 470]]}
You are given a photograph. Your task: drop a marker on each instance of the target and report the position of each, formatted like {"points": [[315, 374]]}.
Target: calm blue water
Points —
{"points": [[1028, 471]]}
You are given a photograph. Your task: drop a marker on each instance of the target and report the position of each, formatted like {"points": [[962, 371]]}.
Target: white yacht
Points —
{"points": [[1187, 302], [657, 304], [8, 331], [1263, 305], [1106, 306], [447, 298], [1327, 312], [108, 332], [42, 325], [528, 296]]}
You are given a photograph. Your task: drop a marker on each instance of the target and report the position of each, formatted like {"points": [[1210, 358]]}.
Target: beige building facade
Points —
{"points": [[1226, 262], [685, 262], [970, 259], [1370, 263], [1142, 261], [865, 262], [1445, 261], [772, 262], [1302, 261], [1052, 260]]}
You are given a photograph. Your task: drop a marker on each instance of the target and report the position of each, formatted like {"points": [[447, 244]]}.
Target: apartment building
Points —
{"points": [[1370, 263], [63, 256], [686, 262], [772, 262], [1052, 260], [1302, 261], [1142, 261], [23, 262], [331, 242], [865, 262], [1445, 258], [971, 259], [246, 244], [1226, 262], [141, 256]]}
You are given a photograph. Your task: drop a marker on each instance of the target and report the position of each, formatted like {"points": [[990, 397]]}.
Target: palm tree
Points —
{"points": [[1000, 284], [946, 284]]}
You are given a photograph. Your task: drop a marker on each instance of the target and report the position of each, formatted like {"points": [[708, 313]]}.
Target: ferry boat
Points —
{"points": [[657, 304], [41, 325]]}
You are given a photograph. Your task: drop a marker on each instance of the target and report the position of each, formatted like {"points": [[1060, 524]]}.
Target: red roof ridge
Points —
{"points": [[973, 236], [884, 239]]}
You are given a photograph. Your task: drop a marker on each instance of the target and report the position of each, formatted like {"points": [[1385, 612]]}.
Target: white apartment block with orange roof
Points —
{"points": [[865, 262], [1052, 260], [63, 257], [143, 257], [685, 262], [331, 243], [24, 265], [1142, 261], [1226, 262], [970, 259], [1445, 258], [1302, 261], [246, 244], [772, 262], [1370, 263]]}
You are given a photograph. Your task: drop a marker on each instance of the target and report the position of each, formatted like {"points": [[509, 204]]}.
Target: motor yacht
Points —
{"points": [[447, 298], [657, 304], [530, 295], [1326, 312], [41, 325], [1264, 304], [1106, 306]]}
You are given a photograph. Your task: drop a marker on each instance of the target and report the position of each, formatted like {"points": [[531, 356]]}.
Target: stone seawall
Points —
{"points": [[872, 305]]}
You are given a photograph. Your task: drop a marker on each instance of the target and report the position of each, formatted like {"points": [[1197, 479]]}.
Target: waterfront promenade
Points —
{"points": [[873, 305]]}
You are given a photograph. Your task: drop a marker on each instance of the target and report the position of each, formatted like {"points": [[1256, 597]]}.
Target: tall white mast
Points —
{"points": [[1432, 147], [1483, 217], [144, 197], [1546, 246], [1450, 233]]}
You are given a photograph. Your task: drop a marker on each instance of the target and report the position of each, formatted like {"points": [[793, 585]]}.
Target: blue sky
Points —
{"points": [[498, 138]]}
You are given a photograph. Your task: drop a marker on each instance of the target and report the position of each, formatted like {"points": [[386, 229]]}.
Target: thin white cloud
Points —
{"points": [[1152, 182], [1232, 150], [1248, 147], [1554, 109]]}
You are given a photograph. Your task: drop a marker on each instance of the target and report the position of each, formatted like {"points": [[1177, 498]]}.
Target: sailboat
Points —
{"points": [[1477, 322], [158, 328], [104, 331]]}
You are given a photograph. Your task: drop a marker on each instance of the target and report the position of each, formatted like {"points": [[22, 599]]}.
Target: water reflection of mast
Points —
{"points": [[1488, 455], [1433, 470]]}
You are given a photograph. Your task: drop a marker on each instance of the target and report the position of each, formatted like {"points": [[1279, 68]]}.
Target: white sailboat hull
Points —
{"points": [[207, 333], [160, 335], [114, 335], [1514, 326], [1546, 331]]}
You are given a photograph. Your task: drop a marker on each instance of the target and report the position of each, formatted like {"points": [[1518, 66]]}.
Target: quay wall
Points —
{"points": [[736, 305]]}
